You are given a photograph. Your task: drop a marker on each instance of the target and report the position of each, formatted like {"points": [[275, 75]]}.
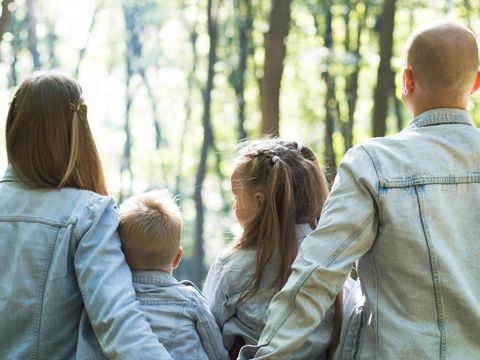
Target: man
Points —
{"points": [[408, 208]]}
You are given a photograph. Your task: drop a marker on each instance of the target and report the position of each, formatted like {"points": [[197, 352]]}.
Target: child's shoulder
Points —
{"points": [[236, 259]]}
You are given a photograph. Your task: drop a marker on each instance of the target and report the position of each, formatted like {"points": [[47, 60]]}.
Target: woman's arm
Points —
{"points": [[105, 282]]}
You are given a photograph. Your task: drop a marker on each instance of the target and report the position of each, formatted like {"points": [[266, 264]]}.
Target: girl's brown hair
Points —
{"points": [[49, 142], [295, 191]]}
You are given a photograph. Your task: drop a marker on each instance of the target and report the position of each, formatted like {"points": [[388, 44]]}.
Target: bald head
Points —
{"points": [[443, 57]]}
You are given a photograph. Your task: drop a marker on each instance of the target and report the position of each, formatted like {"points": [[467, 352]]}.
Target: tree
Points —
{"points": [[4, 17], [244, 24], [275, 50], [32, 35], [384, 75], [208, 141]]}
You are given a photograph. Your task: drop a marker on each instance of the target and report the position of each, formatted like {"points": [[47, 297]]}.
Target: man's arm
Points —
{"points": [[346, 231]]}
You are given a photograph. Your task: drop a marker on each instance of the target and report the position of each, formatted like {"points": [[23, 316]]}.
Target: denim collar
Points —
{"points": [[441, 116], [156, 277]]}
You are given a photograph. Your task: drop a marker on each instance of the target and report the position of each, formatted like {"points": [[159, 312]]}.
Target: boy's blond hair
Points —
{"points": [[150, 230]]}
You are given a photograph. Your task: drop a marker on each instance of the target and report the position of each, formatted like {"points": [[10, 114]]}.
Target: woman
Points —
{"points": [[59, 248]]}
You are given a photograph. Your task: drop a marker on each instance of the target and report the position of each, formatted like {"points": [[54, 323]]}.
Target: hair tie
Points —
{"points": [[75, 105], [275, 159]]}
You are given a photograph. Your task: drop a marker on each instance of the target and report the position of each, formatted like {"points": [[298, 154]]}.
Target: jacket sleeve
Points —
{"points": [[347, 230], [105, 282], [216, 294], [208, 331]]}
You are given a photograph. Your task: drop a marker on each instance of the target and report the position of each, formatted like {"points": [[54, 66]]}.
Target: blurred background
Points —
{"points": [[173, 86]]}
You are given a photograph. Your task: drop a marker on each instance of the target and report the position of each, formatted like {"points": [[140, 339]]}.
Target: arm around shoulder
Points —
{"points": [[105, 282]]}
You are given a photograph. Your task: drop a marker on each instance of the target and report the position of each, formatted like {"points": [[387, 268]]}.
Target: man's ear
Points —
{"points": [[178, 257], [476, 85], [260, 198], [408, 81]]}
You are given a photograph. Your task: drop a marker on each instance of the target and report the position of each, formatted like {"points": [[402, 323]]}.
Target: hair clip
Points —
{"points": [[75, 105], [275, 159]]}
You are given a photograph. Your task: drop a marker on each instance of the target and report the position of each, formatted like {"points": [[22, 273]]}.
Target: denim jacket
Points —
{"points": [[407, 207], [60, 253], [179, 316], [229, 277]]}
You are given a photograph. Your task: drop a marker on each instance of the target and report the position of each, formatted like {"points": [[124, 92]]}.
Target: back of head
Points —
{"points": [[443, 57], [295, 190], [49, 142], [150, 230]]}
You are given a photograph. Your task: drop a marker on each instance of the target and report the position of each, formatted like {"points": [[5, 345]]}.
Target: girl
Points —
{"points": [[279, 192], [59, 248]]}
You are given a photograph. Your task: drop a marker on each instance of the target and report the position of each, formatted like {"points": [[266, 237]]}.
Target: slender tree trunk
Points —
{"points": [[32, 35], [83, 49], [153, 104], [15, 26], [4, 18], [199, 253], [131, 44], [51, 40], [352, 80], [244, 20], [383, 88], [330, 103], [191, 82], [273, 67]]}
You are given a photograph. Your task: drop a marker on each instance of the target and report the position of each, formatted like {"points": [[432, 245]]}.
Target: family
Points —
{"points": [[81, 279]]}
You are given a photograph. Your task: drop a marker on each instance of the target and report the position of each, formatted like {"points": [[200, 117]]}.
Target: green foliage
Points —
{"points": [[163, 48]]}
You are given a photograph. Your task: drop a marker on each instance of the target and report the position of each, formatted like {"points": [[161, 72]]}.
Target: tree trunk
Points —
{"points": [[4, 18], [199, 253], [275, 49], [15, 26], [32, 35], [191, 83], [244, 22], [384, 70], [83, 49], [330, 103], [352, 80]]}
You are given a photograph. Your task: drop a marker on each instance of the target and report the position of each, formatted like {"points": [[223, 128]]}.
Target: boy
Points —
{"points": [[150, 231]]}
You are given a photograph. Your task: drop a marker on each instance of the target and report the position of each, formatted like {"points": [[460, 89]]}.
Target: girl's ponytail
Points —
{"points": [[277, 225]]}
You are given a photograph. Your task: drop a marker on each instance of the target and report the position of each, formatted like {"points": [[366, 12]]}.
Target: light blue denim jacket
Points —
{"points": [[60, 253], [408, 207], [179, 316], [230, 276]]}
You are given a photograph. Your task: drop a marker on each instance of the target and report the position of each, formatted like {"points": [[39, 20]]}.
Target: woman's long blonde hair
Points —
{"points": [[49, 142], [295, 191]]}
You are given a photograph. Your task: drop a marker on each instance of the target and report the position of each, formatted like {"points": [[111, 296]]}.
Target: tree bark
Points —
{"points": [[191, 83], [4, 18], [330, 103], [275, 50], [383, 88], [32, 35], [199, 253], [244, 22], [352, 80]]}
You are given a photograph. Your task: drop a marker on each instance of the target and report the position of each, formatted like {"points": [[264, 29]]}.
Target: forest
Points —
{"points": [[173, 86]]}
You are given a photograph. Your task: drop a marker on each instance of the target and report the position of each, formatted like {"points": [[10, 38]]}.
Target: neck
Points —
{"points": [[420, 107]]}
